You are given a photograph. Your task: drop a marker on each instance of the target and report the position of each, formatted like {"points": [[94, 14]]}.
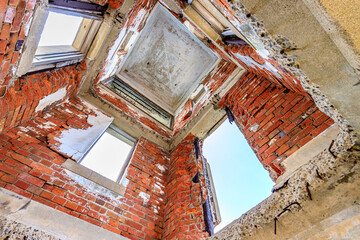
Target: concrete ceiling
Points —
{"points": [[167, 62]]}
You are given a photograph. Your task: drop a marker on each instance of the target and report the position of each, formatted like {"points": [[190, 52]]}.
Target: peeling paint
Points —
{"points": [[50, 99]]}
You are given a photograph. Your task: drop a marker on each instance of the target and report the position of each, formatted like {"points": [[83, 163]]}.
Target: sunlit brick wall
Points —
{"points": [[275, 120]]}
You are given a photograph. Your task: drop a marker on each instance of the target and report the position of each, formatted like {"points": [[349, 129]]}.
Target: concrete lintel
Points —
{"points": [[53, 222], [201, 124], [95, 177]]}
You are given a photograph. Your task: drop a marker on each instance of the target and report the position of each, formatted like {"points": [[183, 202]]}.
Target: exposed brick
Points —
{"points": [[10, 14], [18, 191], [31, 179], [286, 118]]}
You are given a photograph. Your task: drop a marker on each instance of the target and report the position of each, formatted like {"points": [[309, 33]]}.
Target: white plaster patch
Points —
{"points": [[50, 99], [47, 125], [76, 142], [254, 127], [161, 168], [251, 63], [158, 188], [144, 196]]}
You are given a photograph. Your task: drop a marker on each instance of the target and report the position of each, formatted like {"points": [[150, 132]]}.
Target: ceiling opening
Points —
{"points": [[167, 62], [240, 180]]}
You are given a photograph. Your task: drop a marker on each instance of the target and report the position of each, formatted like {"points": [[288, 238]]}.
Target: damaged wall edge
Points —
{"points": [[38, 219]]}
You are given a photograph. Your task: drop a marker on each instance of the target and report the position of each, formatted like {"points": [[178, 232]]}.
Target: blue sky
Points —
{"points": [[240, 180]]}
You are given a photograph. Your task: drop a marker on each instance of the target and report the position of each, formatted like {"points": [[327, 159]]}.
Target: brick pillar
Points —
{"points": [[184, 217]]}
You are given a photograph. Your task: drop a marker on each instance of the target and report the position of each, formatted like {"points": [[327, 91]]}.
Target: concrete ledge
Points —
{"points": [[39, 217], [306, 153], [95, 177]]}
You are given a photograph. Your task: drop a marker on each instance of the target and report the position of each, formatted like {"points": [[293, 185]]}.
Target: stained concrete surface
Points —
{"points": [[167, 62]]}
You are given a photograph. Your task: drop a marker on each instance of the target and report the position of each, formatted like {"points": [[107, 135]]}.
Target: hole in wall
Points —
{"points": [[240, 180]]}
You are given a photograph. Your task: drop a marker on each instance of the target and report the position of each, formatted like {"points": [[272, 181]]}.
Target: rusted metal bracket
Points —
{"points": [[286, 209], [331, 152], [308, 190], [318, 175], [275, 220]]}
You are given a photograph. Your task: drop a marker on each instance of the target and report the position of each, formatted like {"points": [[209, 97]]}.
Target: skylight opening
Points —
{"points": [[241, 182], [108, 156], [60, 29]]}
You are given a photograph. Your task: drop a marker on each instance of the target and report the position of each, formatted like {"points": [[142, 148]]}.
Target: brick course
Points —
{"points": [[15, 18], [184, 217], [274, 120], [19, 101]]}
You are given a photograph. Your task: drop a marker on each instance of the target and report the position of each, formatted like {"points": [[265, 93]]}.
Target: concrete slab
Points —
{"points": [[167, 61]]}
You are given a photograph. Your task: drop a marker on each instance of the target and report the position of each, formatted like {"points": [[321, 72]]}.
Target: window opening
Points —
{"points": [[139, 101], [111, 154], [60, 29], [66, 37], [240, 180]]}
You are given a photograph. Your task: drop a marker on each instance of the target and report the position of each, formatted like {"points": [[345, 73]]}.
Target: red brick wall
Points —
{"points": [[19, 101], [184, 217], [274, 120], [30, 168], [147, 174], [14, 21]]}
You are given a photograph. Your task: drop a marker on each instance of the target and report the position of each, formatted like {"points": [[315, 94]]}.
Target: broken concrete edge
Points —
{"points": [[272, 45], [21, 218], [327, 166], [306, 153], [93, 176]]}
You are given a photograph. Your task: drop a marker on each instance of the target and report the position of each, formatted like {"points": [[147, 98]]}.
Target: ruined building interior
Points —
{"points": [[161, 76]]}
